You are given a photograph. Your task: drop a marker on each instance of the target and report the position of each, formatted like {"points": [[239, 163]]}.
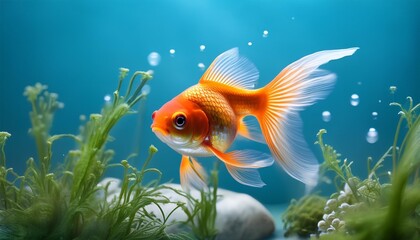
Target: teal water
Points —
{"points": [[76, 48]]}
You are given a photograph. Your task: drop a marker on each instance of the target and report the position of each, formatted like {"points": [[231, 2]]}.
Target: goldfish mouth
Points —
{"points": [[167, 138], [158, 130], [161, 134]]}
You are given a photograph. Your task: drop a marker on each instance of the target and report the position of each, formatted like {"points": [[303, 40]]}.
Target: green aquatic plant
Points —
{"points": [[301, 216], [385, 210], [374, 207], [68, 202], [201, 211], [203, 224]]}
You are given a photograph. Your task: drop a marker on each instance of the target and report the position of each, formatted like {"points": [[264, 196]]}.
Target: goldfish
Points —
{"points": [[205, 119]]}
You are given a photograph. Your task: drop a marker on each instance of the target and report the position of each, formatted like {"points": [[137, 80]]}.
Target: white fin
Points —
{"points": [[247, 176], [192, 174], [244, 158], [231, 69], [299, 85], [248, 127]]}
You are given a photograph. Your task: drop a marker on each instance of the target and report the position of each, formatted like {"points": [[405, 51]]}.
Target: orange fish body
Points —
{"points": [[205, 119]]}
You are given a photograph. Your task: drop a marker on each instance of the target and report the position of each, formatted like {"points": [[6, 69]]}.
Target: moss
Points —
{"points": [[68, 202], [302, 216]]}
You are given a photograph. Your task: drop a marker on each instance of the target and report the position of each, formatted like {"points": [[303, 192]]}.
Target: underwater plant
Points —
{"points": [[371, 208], [301, 216], [68, 202], [202, 214]]}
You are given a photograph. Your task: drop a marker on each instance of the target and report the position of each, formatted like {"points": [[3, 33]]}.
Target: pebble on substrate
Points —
{"points": [[239, 216]]}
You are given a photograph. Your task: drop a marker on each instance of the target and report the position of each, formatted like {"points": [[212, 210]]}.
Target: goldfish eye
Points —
{"points": [[179, 121], [153, 115]]}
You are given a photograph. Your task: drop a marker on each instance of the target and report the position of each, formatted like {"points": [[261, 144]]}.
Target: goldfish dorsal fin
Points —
{"points": [[231, 69]]}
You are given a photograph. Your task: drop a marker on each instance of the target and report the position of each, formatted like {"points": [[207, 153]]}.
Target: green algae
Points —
{"points": [[374, 207], [67, 202], [302, 216]]}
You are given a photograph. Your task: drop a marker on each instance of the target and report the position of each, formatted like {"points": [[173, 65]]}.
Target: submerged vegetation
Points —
{"points": [[372, 208], [69, 202]]}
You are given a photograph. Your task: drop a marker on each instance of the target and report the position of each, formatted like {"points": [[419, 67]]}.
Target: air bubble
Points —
{"points": [[201, 66], [146, 89], [265, 33], [107, 98], [392, 89], [326, 116], [354, 100], [153, 59], [375, 115], [372, 135], [249, 43], [172, 52], [202, 48], [150, 72]]}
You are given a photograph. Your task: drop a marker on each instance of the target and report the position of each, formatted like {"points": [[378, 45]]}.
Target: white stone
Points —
{"points": [[239, 216]]}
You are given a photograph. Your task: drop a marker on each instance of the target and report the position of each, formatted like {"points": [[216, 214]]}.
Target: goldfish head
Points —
{"points": [[181, 124]]}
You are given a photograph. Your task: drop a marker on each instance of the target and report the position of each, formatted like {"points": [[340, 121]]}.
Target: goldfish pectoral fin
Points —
{"points": [[192, 174], [232, 69], [247, 176], [248, 128], [242, 165], [244, 158]]}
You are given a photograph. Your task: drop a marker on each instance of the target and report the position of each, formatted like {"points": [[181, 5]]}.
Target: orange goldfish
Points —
{"points": [[205, 119]]}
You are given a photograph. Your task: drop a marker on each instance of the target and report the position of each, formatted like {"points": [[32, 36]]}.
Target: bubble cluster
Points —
{"points": [[326, 116], [154, 59], [372, 135], [354, 100], [333, 211]]}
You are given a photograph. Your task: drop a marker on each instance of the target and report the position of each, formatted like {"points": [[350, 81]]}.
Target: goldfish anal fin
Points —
{"points": [[192, 174], [299, 85], [248, 128], [231, 69]]}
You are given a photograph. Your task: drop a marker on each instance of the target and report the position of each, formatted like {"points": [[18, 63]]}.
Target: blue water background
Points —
{"points": [[76, 48]]}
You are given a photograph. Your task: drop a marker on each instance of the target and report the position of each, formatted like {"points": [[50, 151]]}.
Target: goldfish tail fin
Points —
{"points": [[299, 85]]}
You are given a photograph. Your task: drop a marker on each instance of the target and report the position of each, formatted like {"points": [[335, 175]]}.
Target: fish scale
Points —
{"points": [[222, 118]]}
